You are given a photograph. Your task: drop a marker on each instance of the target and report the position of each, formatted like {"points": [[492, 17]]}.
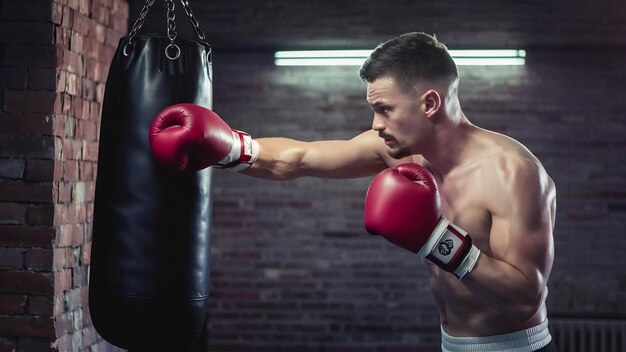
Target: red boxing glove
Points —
{"points": [[403, 205], [191, 137]]}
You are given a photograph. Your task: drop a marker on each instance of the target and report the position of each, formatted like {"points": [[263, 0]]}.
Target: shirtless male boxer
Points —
{"points": [[492, 207]]}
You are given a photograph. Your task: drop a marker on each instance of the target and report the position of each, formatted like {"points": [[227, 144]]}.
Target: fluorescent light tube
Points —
{"points": [[357, 57]]}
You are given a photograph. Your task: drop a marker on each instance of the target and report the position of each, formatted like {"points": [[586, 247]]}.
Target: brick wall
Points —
{"points": [[54, 57]]}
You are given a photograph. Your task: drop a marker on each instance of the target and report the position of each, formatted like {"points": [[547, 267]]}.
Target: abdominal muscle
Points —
{"points": [[463, 314]]}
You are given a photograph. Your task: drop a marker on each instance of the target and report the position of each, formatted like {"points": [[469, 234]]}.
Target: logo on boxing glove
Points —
{"points": [[446, 247]]}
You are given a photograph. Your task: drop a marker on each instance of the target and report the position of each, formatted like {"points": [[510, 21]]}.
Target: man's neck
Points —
{"points": [[450, 146]]}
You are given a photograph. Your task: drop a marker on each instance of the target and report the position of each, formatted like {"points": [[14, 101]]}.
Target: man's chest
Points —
{"points": [[464, 204]]}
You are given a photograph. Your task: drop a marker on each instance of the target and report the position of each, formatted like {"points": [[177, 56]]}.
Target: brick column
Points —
{"points": [[54, 57]]}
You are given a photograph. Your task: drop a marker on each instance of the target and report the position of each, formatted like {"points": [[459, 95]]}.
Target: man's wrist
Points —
{"points": [[449, 247], [244, 152]]}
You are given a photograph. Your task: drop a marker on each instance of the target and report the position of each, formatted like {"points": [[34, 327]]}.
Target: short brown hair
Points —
{"points": [[408, 59]]}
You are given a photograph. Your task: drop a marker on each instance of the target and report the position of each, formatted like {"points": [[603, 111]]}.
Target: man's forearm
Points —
{"points": [[279, 159]]}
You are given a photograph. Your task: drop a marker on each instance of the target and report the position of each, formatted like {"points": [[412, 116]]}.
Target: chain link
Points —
{"points": [[171, 27], [138, 23], [194, 23], [171, 31]]}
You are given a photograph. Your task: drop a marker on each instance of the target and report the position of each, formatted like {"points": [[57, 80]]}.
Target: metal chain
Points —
{"points": [[171, 27], [194, 23], [171, 31], [138, 23]]}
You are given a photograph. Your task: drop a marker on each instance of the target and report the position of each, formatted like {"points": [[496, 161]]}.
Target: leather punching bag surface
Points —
{"points": [[148, 286]]}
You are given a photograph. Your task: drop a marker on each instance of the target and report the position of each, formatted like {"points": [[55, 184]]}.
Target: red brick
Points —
{"points": [[26, 282], [72, 62], [80, 279], [119, 23], [76, 41], [26, 236], [76, 109], [83, 7], [70, 235], [72, 149], [71, 86], [70, 170], [95, 111], [57, 13], [113, 37], [61, 36], [63, 192], [90, 151], [63, 329], [88, 130], [27, 326], [86, 255], [89, 336], [120, 8], [68, 17], [83, 25], [29, 101], [89, 88], [62, 282], [39, 192]]}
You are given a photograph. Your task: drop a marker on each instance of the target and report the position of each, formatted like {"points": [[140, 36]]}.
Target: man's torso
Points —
{"points": [[465, 200]]}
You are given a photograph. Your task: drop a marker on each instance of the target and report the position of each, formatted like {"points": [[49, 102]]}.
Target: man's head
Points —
{"points": [[411, 79], [411, 59]]}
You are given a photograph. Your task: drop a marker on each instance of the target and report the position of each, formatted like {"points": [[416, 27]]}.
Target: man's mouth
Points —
{"points": [[388, 139]]}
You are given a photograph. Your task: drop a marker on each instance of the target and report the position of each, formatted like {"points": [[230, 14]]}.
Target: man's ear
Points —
{"points": [[432, 102]]}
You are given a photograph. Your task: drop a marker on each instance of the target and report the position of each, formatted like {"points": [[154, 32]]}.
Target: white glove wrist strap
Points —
{"points": [[468, 263], [243, 153], [450, 247]]}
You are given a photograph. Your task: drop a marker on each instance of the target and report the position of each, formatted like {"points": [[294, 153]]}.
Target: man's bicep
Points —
{"points": [[357, 157], [522, 222]]}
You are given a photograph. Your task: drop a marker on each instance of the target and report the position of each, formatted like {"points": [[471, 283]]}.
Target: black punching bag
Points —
{"points": [[148, 287]]}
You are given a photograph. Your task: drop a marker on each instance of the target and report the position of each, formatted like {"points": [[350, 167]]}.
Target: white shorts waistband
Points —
{"points": [[527, 340]]}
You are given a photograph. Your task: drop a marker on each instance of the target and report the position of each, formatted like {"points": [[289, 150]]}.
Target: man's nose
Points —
{"points": [[377, 123]]}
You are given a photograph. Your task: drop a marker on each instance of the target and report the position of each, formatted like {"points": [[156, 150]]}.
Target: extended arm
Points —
{"points": [[187, 137], [283, 158]]}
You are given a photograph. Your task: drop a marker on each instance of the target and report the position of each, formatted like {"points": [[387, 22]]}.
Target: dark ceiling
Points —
{"points": [[292, 24]]}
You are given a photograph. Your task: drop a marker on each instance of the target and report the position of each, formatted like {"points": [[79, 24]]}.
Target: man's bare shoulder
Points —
{"points": [[513, 171]]}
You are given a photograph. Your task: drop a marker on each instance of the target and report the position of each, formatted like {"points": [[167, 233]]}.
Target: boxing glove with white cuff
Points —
{"points": [[190, 137], [403, 206]]}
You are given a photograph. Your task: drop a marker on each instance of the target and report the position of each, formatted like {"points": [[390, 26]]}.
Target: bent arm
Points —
{"points": [[284, 159], [513, 277]]}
